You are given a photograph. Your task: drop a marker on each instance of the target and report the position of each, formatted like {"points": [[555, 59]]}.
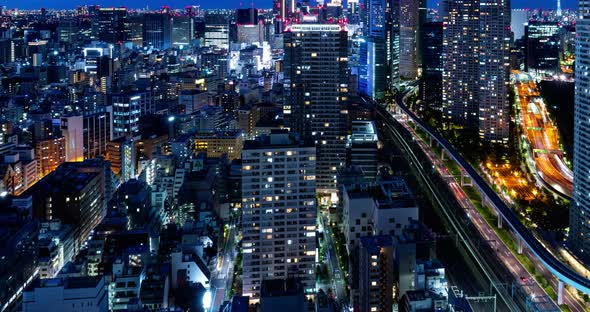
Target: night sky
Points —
{"points": [[227, 4]]}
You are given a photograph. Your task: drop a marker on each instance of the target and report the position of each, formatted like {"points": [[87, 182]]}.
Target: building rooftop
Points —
{"points": [[280, 287], [373, 244], [278, 138]]}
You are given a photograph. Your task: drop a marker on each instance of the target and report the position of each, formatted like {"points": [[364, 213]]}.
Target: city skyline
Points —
{"points": [[295, 155], [234, 4]]}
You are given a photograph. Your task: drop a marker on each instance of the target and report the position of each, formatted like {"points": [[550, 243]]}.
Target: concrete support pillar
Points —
{"points": [[520, 246], [560, 292], [442, 154], [499, 221], [430, 141]]}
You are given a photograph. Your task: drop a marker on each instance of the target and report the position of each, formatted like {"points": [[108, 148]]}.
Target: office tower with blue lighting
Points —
{"points": [[379, 49]]}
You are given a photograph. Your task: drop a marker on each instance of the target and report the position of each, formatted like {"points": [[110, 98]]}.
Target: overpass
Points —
{"points": [[564, 273]]}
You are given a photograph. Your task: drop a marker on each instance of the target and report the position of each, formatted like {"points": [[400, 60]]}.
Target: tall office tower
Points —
{"points": [[217, 30], [112, 25], [376, 276], [183, 31], [430, 91], [279, 211], [409, 23], [126, 112], [579, 236], [68, 30], [382, 20], [157, 30], [352, 11], [542, 47], [373, 68], [316, 85], [460, 62], [494, 71], [374, 50], [284, 8], [135, 24]]}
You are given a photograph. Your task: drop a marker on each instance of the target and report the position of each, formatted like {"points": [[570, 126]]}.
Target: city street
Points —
{"points": [[542, 137], [337, 278], [222, 278]]}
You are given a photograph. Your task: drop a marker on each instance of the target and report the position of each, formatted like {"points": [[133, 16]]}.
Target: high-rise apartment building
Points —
{"points": [[579, 235], [376, 282], [476, 66], [279, 211], [460, 67], [494, 70], [316, 87]]}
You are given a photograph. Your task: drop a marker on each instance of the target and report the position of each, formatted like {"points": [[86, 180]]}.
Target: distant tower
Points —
{"points": [[559, 8]]}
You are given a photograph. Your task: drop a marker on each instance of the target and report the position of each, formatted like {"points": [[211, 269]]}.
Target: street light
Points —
{"points": [[207, 300]]}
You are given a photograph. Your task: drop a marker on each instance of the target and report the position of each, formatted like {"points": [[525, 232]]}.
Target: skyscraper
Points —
{"points": [[183, 30], [579, 235], [283, 8], [494, 70], [373, 68], [542, 47], [157, 30], [112, 24], [409, 23], [316, 85], [476, 66], [460, 67], [279, 211], [382, 29], [376, 282], [432, 65]]}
